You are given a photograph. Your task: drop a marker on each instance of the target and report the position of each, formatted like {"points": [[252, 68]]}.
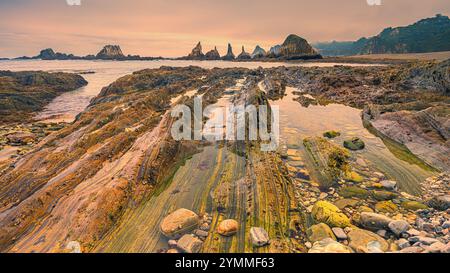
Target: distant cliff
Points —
{"points": [[427, 35]]}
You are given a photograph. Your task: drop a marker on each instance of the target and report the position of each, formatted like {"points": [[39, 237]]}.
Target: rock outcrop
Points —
{"points": [[212, 55], [22, 94], [295, 47], [110, 52], [259, 52], [274, 52], [244, 55], [230, 55], [196, 53]]}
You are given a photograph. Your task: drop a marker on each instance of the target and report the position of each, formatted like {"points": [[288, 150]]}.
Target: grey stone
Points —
{"points": [[339, 233], [399, 226], [329, 246], [422, 240], [389, 184], [259, 236], [441, 203], [412, 249], [201, 233], [403, 243], [382, 233], [374, 221], [172, 243], [189, 244], [446, 224], [436, 247]]}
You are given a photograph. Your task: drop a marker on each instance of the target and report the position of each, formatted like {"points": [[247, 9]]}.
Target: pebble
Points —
{"points": [[339, 233], [323, 195], [422, 240], [399, 226], [382, 233], [172, 243], [403, 243]]}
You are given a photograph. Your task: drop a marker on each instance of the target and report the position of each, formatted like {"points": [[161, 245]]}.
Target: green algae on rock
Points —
{"points": [[354, 144], [331, 134]]}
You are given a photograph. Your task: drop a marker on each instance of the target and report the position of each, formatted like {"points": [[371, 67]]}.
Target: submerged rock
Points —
{"points": [[383, 195], [228, 227], [319, 232], [354, 144], [329, 246], [353, 191], [189, 244], [179, 222], [259, 236], [331, 134], [413, 205], [325, 212]]}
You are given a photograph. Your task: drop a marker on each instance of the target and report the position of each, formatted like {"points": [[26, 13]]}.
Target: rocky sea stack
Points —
{"points": [[295, 47], [230, 55], [212, 55], [259, 52], [196, 53], [110, 52], [244, 55]]}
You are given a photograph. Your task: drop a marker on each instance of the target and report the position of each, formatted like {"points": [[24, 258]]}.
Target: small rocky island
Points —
{"points": [[293, 48], [108, 52]]}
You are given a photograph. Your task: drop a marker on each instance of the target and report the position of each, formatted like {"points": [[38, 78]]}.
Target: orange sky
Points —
{"points": [[173, 27]]}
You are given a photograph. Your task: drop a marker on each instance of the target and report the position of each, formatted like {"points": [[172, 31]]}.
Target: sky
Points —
{"points": [[171, 28]]}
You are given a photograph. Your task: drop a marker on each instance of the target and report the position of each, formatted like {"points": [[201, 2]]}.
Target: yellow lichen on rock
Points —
{"points": [[325, 212]]}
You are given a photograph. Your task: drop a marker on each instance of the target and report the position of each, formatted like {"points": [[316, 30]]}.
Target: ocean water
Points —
{"points": [[70, 104]]}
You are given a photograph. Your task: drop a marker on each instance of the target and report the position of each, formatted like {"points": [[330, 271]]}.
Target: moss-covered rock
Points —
{"points": [[346, 202], [413, 205], [383, 195], [386, 206], [325, 212], [353, 191], [331, 134], [354, 144], [319, 232]]}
